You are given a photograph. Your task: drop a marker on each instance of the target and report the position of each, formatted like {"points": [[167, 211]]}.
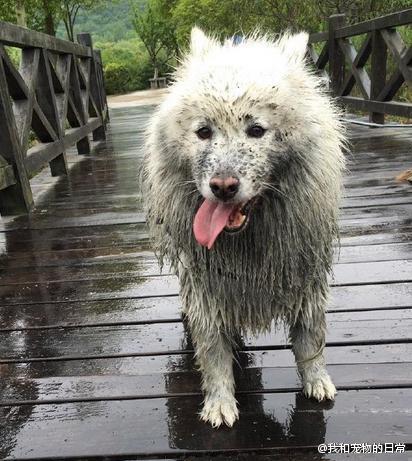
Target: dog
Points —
{"points": [[242, 176]]}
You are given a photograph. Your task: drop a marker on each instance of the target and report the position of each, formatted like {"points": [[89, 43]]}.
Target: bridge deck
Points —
{"points": [[94, 357]]}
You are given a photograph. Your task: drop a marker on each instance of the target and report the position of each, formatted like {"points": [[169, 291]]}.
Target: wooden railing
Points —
{"points": [[54, 100], [377, 92]]}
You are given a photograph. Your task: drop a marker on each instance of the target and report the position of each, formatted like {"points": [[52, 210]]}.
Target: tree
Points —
{"points": [[281, 15], [50, 15], [228, 17], [40, 15], [21, 17], [14, 11], [154, 26], [221, 18], [361, 10], [69, 10]]}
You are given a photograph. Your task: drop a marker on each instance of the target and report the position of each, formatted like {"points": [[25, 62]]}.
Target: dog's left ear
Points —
{"points": [[295, 46], [200, 43]]}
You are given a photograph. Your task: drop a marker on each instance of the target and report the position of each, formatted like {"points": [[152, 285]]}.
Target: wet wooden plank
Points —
{"points": [[377, 201], [16, 245], [371, 296], [132, 203], [99, 219], [386, 190], [362, 327], [361, 216], [401, 234], [92, 313], [145, 283], [119, 310], [371, 159], [78, 237], [126, 387], [373, 272], [108, 288], [85, 191], [136, 255], [183, 362], [374, 160], [272, 421], [357, 218], [373, 253], [134, 260]]}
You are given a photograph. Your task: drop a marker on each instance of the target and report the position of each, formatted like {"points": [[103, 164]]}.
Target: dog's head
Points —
{"points": [[238, 114]]}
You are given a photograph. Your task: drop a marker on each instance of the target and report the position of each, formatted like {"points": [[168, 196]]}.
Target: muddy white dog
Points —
{"points": [[242, 176]]}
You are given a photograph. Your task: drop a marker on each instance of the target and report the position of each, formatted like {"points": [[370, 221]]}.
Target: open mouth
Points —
{"points": [[239, 218], [214, 217]]}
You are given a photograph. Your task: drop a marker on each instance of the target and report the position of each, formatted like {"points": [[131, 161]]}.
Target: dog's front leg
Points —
{"points": [[307, 335], [214, 357]]}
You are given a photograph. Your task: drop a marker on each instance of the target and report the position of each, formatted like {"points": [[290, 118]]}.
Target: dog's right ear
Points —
{"points": [[200, 43], [294, 46]]}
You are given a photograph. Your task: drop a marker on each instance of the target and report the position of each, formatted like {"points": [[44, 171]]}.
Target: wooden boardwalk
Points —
{"points": [[96, 363]]}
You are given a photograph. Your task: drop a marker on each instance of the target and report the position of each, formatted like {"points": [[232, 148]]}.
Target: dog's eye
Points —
{"points": [[204, 133], [255, 131]]}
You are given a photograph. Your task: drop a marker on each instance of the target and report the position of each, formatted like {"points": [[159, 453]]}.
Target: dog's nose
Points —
{"points": [[224, 188]]}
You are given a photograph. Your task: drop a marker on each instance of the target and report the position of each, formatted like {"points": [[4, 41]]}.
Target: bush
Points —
{"points": [[117, 77], [126, 66], [121, 78], [14, 54]]}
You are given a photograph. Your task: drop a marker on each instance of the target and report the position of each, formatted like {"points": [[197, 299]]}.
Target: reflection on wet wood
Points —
{"points": [[171, 425], [159, 338], [93, 347], [163, 364], [179, 383]]}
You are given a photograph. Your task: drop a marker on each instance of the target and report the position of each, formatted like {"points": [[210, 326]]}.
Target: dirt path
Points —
{"points": [[137, 98]]}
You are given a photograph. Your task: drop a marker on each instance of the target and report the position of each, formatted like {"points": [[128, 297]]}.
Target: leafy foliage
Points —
{"points": [[155, 28], [126, 66], [68, 11], [111, 21], [140, 38]]}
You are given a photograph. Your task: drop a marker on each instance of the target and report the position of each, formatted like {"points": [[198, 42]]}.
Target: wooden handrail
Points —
{"points": [[401, 18], [58, 94], [21, 37], [347, 66]]}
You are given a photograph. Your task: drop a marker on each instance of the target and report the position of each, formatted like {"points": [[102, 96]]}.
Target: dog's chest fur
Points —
{"points": [[271, 270]]}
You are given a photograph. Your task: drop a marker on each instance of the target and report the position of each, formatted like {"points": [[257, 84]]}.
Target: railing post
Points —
{"points": [[83, 145], [378, 72], [336, 57], [102, 85], [95, 84], [47, 101], [18, 197]]}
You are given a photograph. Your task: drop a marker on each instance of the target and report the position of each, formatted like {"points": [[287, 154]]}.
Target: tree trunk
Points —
{"points": [[68, 23], [21, 13], [69, 29], [48, 19]]}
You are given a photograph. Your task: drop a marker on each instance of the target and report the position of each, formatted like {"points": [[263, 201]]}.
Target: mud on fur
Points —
{"points": [[255, 116]]}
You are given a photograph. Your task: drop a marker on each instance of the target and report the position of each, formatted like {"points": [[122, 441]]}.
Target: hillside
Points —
{"points": [[109, 22]]}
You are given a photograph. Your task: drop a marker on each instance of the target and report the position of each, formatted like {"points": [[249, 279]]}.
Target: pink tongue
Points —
{"points": [[210, 220]]}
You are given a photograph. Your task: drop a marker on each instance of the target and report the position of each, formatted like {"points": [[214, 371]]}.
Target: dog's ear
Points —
{"points": [[295, 46], [200, 43]]}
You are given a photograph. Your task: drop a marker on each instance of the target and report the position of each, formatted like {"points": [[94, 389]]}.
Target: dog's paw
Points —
{"points": [[218, 411], [320, 388]]}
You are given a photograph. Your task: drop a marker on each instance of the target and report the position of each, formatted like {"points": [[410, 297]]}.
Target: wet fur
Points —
{"points": [[277, 268]]}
